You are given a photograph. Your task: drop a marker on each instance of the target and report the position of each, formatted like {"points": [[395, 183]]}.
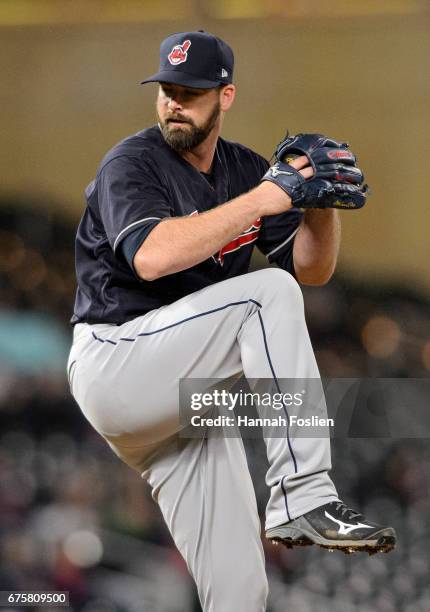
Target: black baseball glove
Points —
{"points": [[336, 182]]}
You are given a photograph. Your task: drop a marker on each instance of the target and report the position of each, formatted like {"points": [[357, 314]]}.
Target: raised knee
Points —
{"points": [[280, 282], [276, 276]]}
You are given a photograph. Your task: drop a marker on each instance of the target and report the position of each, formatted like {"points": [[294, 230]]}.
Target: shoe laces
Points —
{"points": [[346, 512]]}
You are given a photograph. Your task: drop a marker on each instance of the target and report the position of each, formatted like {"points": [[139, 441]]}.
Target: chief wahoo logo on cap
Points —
{"points": [[179, 53]]}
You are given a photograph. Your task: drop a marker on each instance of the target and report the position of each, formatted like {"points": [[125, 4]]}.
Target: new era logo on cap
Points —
{"points": [[179, 53]]}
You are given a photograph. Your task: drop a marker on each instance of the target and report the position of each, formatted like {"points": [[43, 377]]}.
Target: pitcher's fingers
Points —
{"points": [[307, 172], [299, 162]]}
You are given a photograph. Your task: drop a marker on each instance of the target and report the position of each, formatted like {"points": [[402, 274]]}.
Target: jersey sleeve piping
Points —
{"points": [[276, 249], [129, 227]]}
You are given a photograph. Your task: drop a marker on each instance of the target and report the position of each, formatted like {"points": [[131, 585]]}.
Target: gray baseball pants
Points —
{"points": [[125, 379]]}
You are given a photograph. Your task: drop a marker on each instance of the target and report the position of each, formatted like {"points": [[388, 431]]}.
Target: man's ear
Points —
{"points": [[227, 95]]}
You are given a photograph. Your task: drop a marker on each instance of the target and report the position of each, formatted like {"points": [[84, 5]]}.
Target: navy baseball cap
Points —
{"points": [[194, 59]]}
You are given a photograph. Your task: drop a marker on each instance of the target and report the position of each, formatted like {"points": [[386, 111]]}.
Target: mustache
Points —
{"points": [[178, 118]]}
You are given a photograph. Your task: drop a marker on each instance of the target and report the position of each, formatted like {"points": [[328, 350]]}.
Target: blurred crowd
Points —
{"points": [[73, 518]]}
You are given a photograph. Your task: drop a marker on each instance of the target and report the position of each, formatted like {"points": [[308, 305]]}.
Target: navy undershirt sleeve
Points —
{"points": [[286, 260], [133, 241], [276, 238]]}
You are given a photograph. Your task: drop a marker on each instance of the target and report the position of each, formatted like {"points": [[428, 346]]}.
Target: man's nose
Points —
{"points": [[173, 104]]}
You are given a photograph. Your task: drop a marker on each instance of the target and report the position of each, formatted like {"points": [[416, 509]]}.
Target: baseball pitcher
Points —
{"points": [[164, 293]]}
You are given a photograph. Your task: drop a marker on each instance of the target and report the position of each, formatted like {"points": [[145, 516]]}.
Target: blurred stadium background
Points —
{"points": [[71, 516]]}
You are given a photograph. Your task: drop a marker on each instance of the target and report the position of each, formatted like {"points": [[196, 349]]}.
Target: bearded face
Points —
{"points": [[186, 124]]}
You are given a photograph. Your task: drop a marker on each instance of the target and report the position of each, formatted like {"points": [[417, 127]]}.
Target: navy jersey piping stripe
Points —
{"points": [[115, 244], [290, 237], [156, 331], [70, 369], [285, 410], [284, 491], [277, 386], [103, 341]]}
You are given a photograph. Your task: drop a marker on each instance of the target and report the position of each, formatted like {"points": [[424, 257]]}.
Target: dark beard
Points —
{"points": [[186, 140]]}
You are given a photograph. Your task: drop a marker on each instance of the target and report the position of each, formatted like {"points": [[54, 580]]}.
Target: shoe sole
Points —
{"points": [[291, 537]]}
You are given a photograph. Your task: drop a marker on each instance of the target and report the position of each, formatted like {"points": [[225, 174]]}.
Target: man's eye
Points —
{"points": [[169, 93], [191, 94]]}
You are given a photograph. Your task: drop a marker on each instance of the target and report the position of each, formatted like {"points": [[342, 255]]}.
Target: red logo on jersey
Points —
{"points": [[179, 53], [246, 237]]}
